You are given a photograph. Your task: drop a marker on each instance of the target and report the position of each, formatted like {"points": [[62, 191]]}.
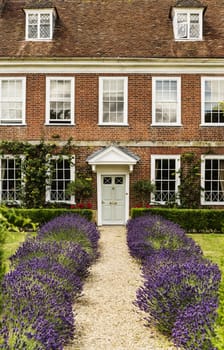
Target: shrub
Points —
{"points": [[178, 280], [71, 228], [38, 293], [173, 285], [68, 254], [43, 311], [218, 339], [191, 220], [193, 328], [149, 233]]}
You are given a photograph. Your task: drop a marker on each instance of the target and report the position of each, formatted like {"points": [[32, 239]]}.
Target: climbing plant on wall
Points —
{"points": [[36, 171], [190, 188]]}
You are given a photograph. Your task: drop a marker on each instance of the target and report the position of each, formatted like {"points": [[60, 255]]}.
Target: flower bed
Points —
{"points": [[47, 276], [178, 280]]}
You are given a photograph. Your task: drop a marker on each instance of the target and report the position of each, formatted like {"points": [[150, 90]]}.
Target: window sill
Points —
{"points": [[59, 124], [212, 125], [12, 124], [115, 124], [166, 125]]}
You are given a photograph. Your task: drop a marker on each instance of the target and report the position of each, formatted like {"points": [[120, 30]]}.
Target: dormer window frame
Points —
{"points": [[38, 13], [188, 13]]}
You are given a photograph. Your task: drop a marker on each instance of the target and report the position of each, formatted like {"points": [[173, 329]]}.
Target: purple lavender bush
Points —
{"points": [[194, 327], [47, 275], [171, 287], [71, 255], [150, 233], [37, 309], [73, 228], [177, 280]]}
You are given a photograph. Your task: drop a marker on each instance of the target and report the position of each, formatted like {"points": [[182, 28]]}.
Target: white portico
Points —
{"points": [[113, 166]]}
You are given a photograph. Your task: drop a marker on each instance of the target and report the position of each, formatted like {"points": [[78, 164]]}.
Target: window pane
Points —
{"points": [[60, 101], [113, 100], [165, 179], [166, 101], [214, 101], [61, 177]]}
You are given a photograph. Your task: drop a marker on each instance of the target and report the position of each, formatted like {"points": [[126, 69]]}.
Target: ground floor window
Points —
{"points": [[164, 174], [62, 173], [10, 179], [212, 179]]}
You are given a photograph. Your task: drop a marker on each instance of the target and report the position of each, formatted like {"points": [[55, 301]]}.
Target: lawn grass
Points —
{"points": [[12, 243], [212, 246]]}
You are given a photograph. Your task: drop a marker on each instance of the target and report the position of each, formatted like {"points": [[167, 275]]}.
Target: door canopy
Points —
{"points": [[113, 155]]}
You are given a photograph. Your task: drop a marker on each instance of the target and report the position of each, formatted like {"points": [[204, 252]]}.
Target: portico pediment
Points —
{"points": [[113, 155]]}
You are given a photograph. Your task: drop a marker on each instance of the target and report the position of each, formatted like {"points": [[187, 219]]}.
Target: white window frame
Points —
{"points": [[203, 169], [203, 81], [22, 100], [39, 12], [178, 102], [188, 12], [72, 101], [10, 157], [176, 157], [125, 111], [72, 173]]}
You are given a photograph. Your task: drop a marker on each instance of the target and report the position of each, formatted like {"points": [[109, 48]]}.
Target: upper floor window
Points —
{"points": [[164, 174], [12, 100], [212, 179], [188, 21], [166, 104], [213, 101], [113, 100], [40, 24], [60, 100], [10, 179]]}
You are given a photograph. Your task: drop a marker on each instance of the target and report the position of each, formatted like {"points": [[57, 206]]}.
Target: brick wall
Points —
{"points": [[139, 114]]}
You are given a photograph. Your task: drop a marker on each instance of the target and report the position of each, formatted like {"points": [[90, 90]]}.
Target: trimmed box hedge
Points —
{"points": [[191, 220], [42, 216]]}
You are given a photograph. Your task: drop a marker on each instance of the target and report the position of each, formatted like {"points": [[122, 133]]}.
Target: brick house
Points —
{"points": [[134, 83]]}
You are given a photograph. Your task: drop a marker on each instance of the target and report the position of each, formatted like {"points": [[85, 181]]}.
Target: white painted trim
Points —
{"points": [[203, 158], [112, 65], [125, 112], [177, 165], [178, 109], [188, 12], [72, 169], [47, 107], [23, 100], [99, 192], [203, 80], [51, 12]]}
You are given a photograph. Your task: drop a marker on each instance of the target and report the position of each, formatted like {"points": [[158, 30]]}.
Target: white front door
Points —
{"points": [[113, 199]]}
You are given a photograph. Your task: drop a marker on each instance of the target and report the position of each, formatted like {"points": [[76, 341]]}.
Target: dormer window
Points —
{"points": [[40, 24], [187, 18]]}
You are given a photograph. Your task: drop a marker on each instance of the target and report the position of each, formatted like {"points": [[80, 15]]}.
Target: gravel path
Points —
{"points": [[106, 318]]}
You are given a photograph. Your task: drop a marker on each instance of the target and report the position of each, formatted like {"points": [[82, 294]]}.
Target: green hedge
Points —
{"points": [[191, 220], [41, 216]]}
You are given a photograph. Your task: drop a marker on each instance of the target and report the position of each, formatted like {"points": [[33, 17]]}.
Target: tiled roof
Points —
{"points": [[188, 3], [111, 28]]}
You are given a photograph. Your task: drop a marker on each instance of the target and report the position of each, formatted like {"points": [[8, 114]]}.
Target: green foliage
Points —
{"points": [[143, 189], [190, 189], [81, 188], [43, 215], [35, 168], [2, 265], [15, 221], [191, 220], [218, 339]]}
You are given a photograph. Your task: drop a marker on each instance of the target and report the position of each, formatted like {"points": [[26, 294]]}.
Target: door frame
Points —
{"points": [[99, 194]]}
